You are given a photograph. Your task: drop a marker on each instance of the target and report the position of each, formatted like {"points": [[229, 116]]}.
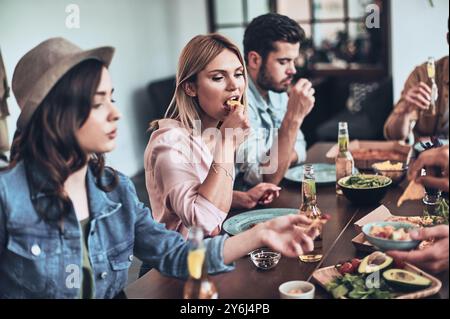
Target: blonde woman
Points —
{"points": [[189, 160]]}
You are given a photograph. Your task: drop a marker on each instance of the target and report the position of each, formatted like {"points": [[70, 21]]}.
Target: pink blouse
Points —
{"points": [[176, 164]]}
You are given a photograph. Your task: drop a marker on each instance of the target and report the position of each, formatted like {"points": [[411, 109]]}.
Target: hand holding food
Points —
{"points": [[233, 104], [287, 235], [435, 157], [433, 258], [236, 125], [318, 223], [301, 98]]}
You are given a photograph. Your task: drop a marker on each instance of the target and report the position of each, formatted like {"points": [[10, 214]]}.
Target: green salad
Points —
{"points": [[440, 215], [354, 287], [366, 181]]}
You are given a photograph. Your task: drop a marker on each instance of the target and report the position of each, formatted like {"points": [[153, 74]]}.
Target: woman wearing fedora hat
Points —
{"points": [[69, 226]]}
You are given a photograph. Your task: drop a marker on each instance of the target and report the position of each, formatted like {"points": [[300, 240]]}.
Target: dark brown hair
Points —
{"points": [[48, 145], [262, 33]]}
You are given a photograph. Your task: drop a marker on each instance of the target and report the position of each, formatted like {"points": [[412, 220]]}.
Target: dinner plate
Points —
{"points": [[325, 173], [247, 220]]}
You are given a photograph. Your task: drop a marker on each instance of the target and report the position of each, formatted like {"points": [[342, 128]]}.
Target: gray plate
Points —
{"points": [[244, 221], [325, 173]]}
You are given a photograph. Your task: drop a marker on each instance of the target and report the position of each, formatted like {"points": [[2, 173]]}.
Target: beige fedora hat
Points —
{"points": [[43, 66]]}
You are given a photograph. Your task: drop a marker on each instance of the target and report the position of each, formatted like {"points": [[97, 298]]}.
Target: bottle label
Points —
{"points": [[431, 69], [196, 259], [343, 143]]}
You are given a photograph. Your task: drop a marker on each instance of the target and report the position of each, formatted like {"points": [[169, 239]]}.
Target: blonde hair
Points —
{"points": [[194, 58]]}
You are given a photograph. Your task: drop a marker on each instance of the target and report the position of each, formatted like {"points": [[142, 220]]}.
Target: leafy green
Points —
{"points": [[354, 287], [440, 215], [442, 210], [363, 181]]}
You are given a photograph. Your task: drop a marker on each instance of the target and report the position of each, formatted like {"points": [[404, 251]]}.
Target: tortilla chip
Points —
{"points": [[233, 103], [414, 191]]}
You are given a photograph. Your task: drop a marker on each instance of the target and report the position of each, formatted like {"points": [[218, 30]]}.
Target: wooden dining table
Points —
{"points": [[247, 282]]}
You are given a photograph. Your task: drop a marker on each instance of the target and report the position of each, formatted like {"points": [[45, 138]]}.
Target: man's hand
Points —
{"points": [[433, 258], [437, 157], [418, 97], [301, 99]]}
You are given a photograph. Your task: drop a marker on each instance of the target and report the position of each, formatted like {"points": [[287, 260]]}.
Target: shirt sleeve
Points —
{"points": [[300, 147], [252, 151], [166, 250], [176, 177], [278, 116], [2, 224]]}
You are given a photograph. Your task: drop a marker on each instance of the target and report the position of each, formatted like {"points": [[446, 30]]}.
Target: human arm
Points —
{"points": [[218, 185], [416, 97], [289, 139], [2, 227], [436, 157], [284, 234], [167, 251], [261, 194], [433, 258]]}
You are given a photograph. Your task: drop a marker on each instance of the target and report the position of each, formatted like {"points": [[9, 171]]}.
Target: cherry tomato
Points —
{"points": [[346, 268], [355, 263], [398, 263]]}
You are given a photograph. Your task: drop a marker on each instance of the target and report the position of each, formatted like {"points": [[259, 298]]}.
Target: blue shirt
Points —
{"points": [[41, 260], [265, 119]]}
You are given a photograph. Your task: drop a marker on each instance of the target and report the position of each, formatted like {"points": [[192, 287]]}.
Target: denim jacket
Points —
{"points": [[39, 260]]}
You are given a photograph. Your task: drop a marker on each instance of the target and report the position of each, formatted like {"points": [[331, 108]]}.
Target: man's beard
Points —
{"points": [[266, 82]]}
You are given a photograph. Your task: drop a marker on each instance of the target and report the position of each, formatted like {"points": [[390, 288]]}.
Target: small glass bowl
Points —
{"points": [[264, 258]]}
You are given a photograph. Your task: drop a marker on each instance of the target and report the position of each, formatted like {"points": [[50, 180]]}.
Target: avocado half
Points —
{"points": [[405, 280], [376, 261]]}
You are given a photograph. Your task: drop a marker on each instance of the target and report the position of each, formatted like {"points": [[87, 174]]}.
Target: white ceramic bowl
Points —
{"points": [[297, 290]]}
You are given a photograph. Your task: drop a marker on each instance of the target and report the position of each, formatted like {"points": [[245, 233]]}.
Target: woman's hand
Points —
{"points": [[433, 258], [289, 235], [236, 126], [261, 194]]}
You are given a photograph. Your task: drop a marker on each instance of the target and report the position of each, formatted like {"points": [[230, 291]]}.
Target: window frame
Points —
{"points": [[366, 71]]}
